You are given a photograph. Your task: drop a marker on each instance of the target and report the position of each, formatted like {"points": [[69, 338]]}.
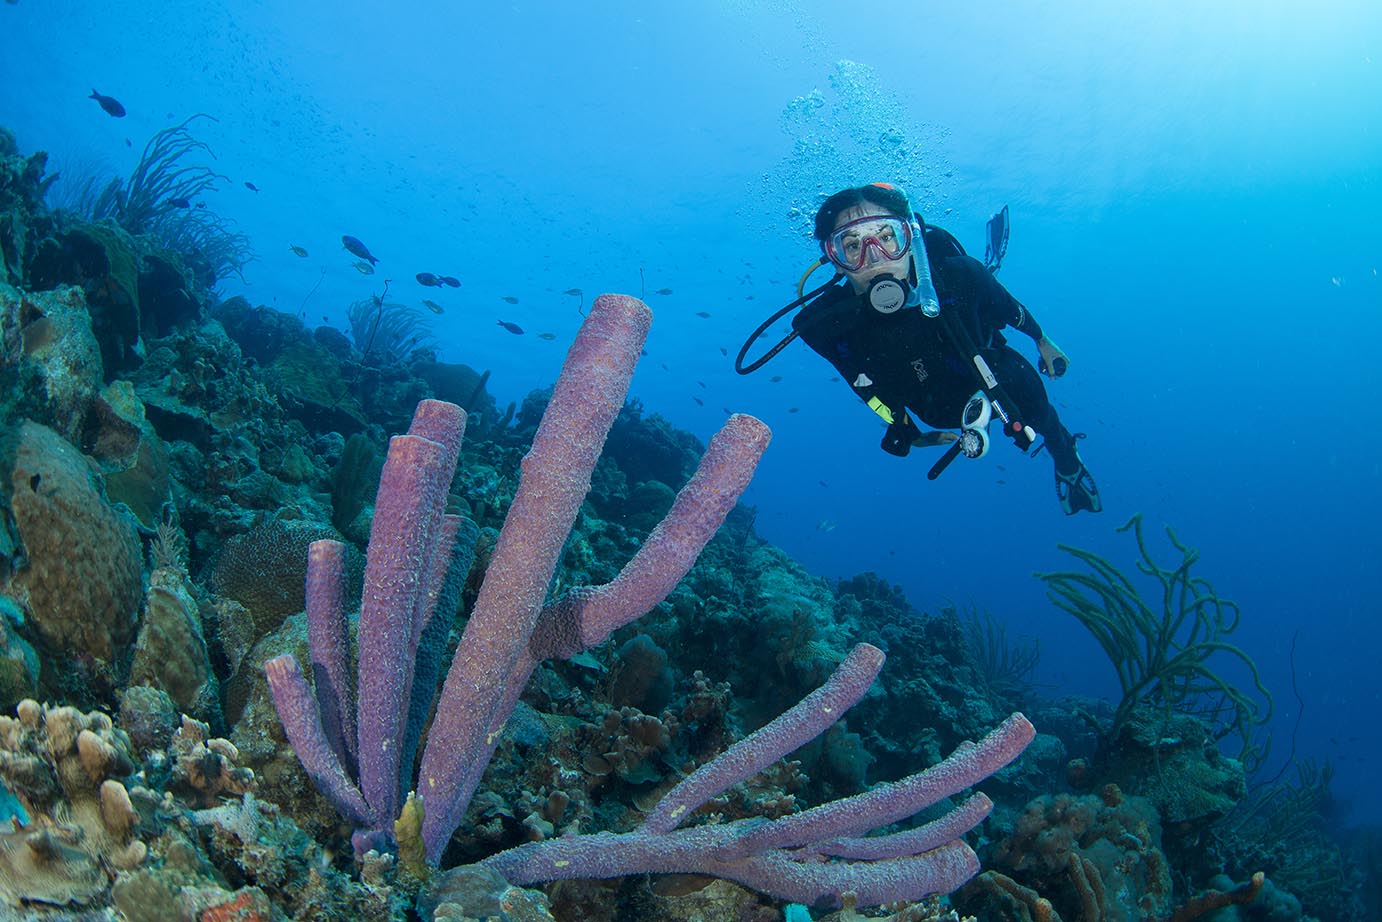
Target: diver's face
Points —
{"points": [[877, 262]]}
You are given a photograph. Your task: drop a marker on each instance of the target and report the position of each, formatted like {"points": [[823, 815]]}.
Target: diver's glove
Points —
{"points": [[1053, 362], [900, 436]]}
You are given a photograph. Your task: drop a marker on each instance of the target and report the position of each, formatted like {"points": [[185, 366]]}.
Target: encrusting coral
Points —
{"points": [[64, 767]]}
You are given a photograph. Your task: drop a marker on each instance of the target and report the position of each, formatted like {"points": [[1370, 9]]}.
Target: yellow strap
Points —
{"points": [[801, 282], [881, 409]]}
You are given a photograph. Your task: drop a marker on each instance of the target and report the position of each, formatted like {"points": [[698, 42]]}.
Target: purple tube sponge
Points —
{"points": [[811, 857], [357, 739]]}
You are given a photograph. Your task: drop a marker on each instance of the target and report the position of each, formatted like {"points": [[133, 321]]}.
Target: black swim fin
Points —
{"points": [[996, 246], [1077, 491]]}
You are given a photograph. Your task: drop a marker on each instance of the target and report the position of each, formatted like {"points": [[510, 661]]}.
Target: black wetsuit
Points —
{"points": [[906, 361]]}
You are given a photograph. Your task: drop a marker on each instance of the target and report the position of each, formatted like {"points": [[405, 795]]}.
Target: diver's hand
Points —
{"points": [[1053, 362], [933, 438]]}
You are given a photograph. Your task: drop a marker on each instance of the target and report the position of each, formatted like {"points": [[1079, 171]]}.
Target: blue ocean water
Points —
{"points": [[1194, 191]]}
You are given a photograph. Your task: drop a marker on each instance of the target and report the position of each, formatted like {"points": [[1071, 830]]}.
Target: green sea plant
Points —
{"points": [[157, 199], [1005, 666], [1160, 647], [1280, 828], [386, 329]]}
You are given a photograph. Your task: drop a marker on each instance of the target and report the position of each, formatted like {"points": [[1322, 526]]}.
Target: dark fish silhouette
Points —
{"points": [[449, 280], [775, 378], [547, 336], [663, 291], [509, 299], [110, 104], [432, 306], [354, 245], [703, 314], [699, 401], [511, 327], [297, 250], [573, 292], [180, 202], [251, 186], [724, 351], [428, 279]]}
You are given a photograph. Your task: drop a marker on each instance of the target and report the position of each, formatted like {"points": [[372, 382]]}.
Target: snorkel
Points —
{"points": [[923, 293]]}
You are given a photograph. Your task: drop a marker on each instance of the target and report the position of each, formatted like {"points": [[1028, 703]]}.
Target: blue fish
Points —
{"points": [[110, 104], [355, 246], [511, 327]]}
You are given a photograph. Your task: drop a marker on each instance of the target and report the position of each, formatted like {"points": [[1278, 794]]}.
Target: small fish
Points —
{"points": [[835, 380], [728, 411], [724, 351], [363, 267], [509, 299], [825, 525], [129, 143], [432, 306], [750, 297], [511, 327], [1004, 482], [573, 292], [775, 378], [794, 409], [180, 202], [297, 250], [357, 247], [705, 315], [547, 336], [251, 186], [110, 104], [664, 366], [663, 291], [428, 279], [449, 280], [701, 383], [699, 401]]}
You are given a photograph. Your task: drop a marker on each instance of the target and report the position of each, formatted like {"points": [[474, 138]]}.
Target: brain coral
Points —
{"points": [[265, 569], [80, 574]]}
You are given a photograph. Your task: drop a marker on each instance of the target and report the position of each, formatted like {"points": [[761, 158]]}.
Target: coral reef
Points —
{"points": [[177, 424], [78, 571]]}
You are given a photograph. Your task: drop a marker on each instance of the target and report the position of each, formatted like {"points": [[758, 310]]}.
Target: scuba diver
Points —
{"points": [[915, 328]]}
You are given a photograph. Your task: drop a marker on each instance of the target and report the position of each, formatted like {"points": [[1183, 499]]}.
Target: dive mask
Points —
{"points": [[867, 240]]}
